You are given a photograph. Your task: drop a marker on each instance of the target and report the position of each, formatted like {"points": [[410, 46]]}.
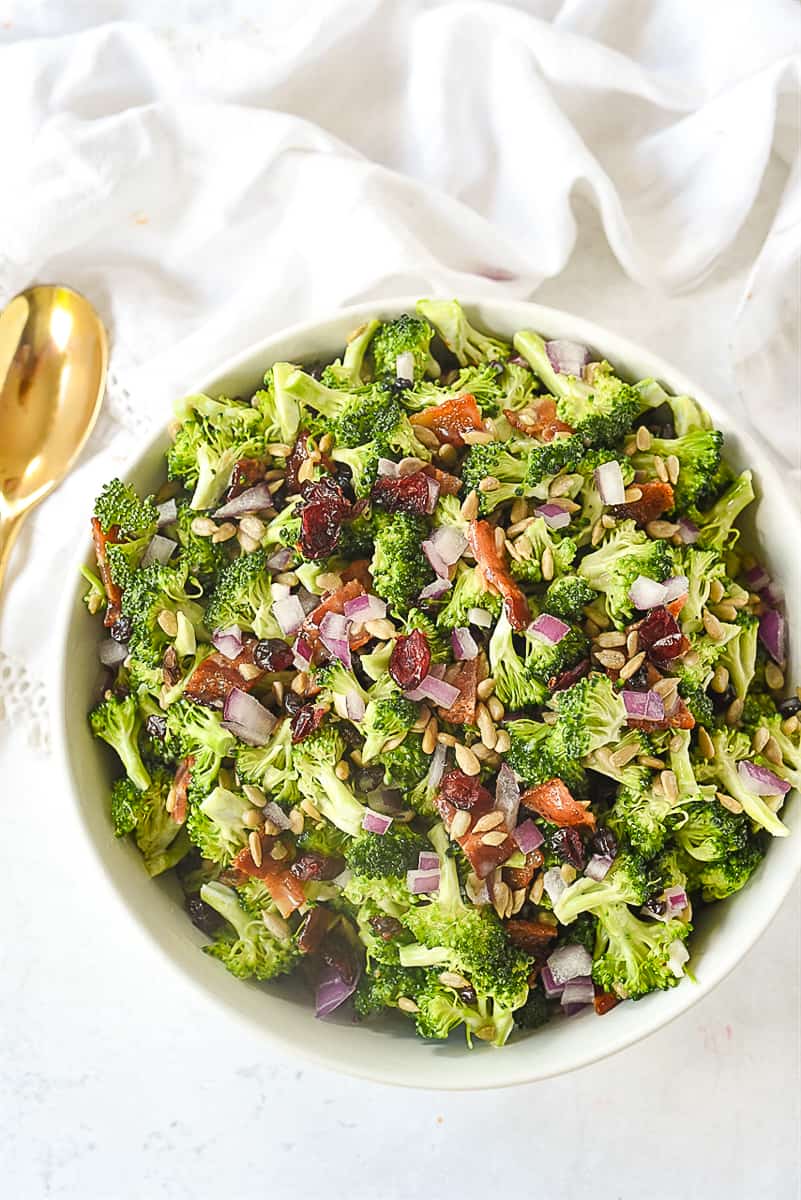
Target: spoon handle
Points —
{"points": [[9, 528]]}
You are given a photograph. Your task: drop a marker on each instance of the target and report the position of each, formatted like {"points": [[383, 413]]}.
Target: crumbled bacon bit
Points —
{"points": [[604, 1002], [539, 421], [657, 498], [483, 858], [180, 786], [285, 889], [213, 678], [452, 418], [532, 937], [113, 591], [493, 568], [449, 485], [464, 676], [554, 801]]}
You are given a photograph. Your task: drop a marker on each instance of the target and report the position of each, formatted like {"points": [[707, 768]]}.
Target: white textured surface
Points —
{"points": [[115, 1081]]}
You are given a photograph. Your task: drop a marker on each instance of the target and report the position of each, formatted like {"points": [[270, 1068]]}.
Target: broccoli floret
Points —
{"points": [[698, 453], [626, 882], [701, 567], [217, 826], [118, 504], [406, 765], [399, 568], [515, 683], [315, 759], [280, 410], [337, 684], [492, 386], [243, 596], [721, 879], [640, 816], [716, 525], [624, 555], [711, 832], [323, 838], [545, 459], [699, 704], [541, 538], [790, 767], [348, 372], [470, 941], [592, 506], [406, 335], [150, 591], [383, 984], [202, 556], [695, 671], [118, 722], [739, 653], [546, 661], [197, 731], [212, 435], [505, 461], [283, 529], [469, 591], [384, 718], [161, 840], [636, 956], [355, 418], [248, 950], [686, 412], [731, 747], [566, 597], [536, 757], [363, 464], [464, 341], [591, 715], [535, 1012], [392, 854], [441, 1009]]}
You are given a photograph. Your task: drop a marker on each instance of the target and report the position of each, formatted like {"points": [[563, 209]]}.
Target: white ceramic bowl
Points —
{"points": [[388, 1051]]}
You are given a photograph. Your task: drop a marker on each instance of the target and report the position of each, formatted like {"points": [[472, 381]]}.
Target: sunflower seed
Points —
{"points": [[670, 786], [720, 679], [495, 838], [632, 666], [501, 894], [203, 526], [624, 755], [489, 484], [485, 688], [168, 621], [224, 532], [661, 529], [489, 821], [716, 591], [761, 739], [772, 752], [729, 802], [547, 563], [705, 744], [405, 1004], [643, 438], [649, 760], [503, 742], [632, 495], [451, 979], [486, 727], [610, 639], [460, 824], [660, 468], [254, 845], [467, 760], [774, 677], [613, 660], [726, 612], [734, 711], [673, 467], [712, 625], [252, 526]]}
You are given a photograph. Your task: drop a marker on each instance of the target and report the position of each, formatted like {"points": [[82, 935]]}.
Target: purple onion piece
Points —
{"points": [[528, 836], [253, 499], [465, 646], [772, 634], [548, 629], [247, 718], [332, 989]]}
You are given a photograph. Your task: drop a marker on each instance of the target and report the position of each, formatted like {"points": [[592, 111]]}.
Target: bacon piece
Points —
{"points": [[674, 607], [532, 937], [295, 461], [285, 889], [213, 678], [540, 422], [483, 859], [246, 473], [657, 498], [464, 676], [451, 419], [449, 485], [492, 564], [604, 1002], [180, 786], [554, 801], [359, 569], [521, 877], [334, 602], [113, 591]]}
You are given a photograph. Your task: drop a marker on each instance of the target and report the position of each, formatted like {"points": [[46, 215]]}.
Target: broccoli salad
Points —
{"points": [[437, 674]]}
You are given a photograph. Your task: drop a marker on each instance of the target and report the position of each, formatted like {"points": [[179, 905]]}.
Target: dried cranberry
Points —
{"points": [[386, 928], [336, 952], [558, 683], [406, 494], [410, 660], [350, 735], [313, 928], [368, 779], [317, 866], [202, 915], [790, 707], [120, 631], [170, 671], [246, 473], [295, 462], [271, 654], [638, 682], [467, 994], [305, 721], [661, 637], [655, 907], [292, 702], [156, 726], [603, 842], [321, 516], [566, 842], [463, 791]]}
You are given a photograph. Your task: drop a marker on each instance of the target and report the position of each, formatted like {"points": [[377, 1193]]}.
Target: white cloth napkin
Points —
{"points": [[206, 184]]}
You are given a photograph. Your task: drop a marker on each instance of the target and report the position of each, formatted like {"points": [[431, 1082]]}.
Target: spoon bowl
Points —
{"points": [[53, 358]]}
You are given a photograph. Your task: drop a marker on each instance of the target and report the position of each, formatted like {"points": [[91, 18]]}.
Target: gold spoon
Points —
{"points": [[53, 357]]}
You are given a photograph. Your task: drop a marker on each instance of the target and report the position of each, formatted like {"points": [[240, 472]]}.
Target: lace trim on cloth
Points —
{"points": [[24, 701]]}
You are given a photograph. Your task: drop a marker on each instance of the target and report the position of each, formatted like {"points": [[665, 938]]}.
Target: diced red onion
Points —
{"points": [[421, 883], [646, 593], [303, 653], [354, 706], [550, 986], [436, 768], [644, 706], [427, 860], [437, 690], [168, 513], [507, 796], [569, 962], [112, 653], [438, 563], [676, 900], [679, 955], [159, 550], [228, 641], [273, 812], [464, 644], [404, 365], [548, 629], [436, 589], [253, 499], [677, 585], [773, 595], [332, 989], [365, 608], [553, 883], [598, 867], [757, 578], [578, 991], [554, 515], [280, 559], [528, 836], [480, 617], [762, 781], [688, 531], [389, 468], [433, 493], [375, 822], [334, 632], [566, 357], [244, 716], [280, 591], [609, 482], [449, 544], [772, 634], [289, 614]]}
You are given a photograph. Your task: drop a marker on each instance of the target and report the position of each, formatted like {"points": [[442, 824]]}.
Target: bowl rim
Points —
{"points": [[511, 1070]]}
